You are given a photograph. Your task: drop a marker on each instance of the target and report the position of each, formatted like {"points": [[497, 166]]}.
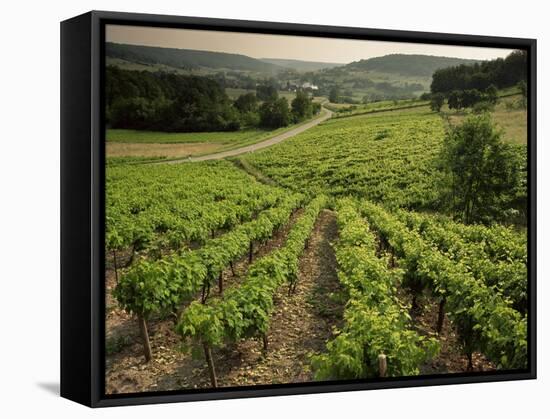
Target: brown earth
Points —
{"points": [[160, 150]]}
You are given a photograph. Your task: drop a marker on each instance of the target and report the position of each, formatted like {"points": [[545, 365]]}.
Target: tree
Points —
{"points": [[246, 103], [274, 113], [454, 100], [470, 97], [267, 91], [301, 106], [334, 95], [481, 172], [522, 85], [491, 94], [437, 101], [315, 107]]}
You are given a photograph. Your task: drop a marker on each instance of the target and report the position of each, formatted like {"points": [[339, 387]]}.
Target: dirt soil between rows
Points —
{"points": [[300, 326]]}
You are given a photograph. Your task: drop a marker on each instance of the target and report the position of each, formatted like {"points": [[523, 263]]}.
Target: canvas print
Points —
{"points": [[292, 209]]}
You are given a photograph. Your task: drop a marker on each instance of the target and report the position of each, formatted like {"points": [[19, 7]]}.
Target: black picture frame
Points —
{"points": [[83, 209]]}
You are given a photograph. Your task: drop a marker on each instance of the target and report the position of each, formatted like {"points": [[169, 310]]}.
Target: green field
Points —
{"points": [[335, 236], [384, 157], [246, 246], [145, 146], [152, 137], [235, 93]]}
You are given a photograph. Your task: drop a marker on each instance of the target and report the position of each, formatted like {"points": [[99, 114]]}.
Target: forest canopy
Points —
{"points": [[501, 72], [167, 102]]}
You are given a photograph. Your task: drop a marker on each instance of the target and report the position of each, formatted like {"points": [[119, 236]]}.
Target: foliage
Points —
{"points": [[267, 92], [187, 59], [436, 102], [176, 205], [345, 157], [481, 171], [244, 311], [167, 102], [246, 103], [376, 322], [499, 72], [334, 95], [497, 256], [485, 320], [274, 113], [408, 64], [301, 106], [161, 286]]}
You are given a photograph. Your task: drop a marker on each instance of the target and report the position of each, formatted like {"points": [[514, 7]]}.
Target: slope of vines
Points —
{"points": [[159, 286], [386, 158], [485, 320], [376, 322], [244, 311], [181, 203], [492, 262]]}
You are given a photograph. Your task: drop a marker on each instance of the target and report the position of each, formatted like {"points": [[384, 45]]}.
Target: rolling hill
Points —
{"points": [[300, 65], [406, 65], [186, 58]]}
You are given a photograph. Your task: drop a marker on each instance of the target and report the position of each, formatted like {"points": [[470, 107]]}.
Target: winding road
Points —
{"points": [[325, 114]]}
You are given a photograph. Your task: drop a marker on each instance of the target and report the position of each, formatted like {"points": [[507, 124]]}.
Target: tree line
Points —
{"points": [[500, 72], [171, 102], [470, 98]]}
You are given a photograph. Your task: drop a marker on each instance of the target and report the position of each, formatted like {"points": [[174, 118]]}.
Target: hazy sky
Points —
{"points": [[283, 46]]}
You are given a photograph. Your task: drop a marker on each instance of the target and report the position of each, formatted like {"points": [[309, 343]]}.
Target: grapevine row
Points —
{"points": [[244, 311], [185, 202], [485, 321], [376, 323], [508, 276], [160, 286], [192, 221], [499, 242]]}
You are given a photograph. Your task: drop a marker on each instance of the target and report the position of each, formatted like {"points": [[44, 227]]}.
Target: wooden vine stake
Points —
{"points": [[116, 269], [210, 362], [145, 337], [382, 365], [250, 252], [220, 282], [441, 315]]}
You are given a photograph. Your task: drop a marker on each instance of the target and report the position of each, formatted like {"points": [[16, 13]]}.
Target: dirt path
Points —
{"points": [[325, 114]]}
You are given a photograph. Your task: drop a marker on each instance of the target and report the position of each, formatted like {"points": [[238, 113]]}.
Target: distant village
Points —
{"points": [[292, 87]]}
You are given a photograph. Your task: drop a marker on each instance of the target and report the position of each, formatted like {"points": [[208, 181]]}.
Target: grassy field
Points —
{"points": [[508, 115], [169, 150], [134, 143], [235, 93], [157, 137]]}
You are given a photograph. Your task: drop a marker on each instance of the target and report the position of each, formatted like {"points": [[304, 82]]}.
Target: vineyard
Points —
{"points": [[323, 257]]}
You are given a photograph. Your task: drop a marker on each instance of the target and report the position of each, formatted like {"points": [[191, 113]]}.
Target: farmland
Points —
{"points": [[222, 270], [167, 145], [384, 157], [386, 238]]}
